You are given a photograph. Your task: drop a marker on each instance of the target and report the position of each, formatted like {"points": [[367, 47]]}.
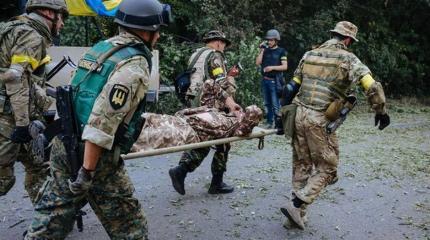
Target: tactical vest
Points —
{"points": [[203, 61], [324, 78], [92, 74], [202, 71]]}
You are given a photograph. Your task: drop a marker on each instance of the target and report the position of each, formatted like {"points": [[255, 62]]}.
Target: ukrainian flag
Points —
{"points": [[93, 7]]}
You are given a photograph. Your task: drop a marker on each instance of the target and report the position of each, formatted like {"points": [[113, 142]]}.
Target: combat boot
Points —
{"points": [[218, 186], [294, 215], [178, 174], [289, 224], [304, 213]]}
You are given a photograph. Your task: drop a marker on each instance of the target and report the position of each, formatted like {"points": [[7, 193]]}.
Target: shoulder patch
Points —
{"points": [[118, 96]]}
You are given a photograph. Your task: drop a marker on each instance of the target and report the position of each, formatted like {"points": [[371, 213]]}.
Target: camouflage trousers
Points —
{"points": [[315, 155], [111, 198], [193, 158], [35, 174]]}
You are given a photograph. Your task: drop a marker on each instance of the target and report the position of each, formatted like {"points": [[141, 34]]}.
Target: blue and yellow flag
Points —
{"points": [[93, 7]]}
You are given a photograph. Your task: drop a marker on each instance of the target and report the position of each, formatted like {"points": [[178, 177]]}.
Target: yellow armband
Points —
{"points": [[17, 59], [297, 80], [367, 81], [217, 71]]}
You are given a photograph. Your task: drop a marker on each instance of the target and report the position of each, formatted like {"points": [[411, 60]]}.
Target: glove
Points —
{"points": [[83, 182], [383, 120], [278, 125], [20, 135]]}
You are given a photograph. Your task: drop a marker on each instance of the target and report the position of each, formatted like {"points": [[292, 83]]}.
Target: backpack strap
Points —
{"points": [[199, 53], [103, 57]]}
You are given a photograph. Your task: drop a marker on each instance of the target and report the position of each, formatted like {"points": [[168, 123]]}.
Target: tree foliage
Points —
{"points": [[394, 37]]}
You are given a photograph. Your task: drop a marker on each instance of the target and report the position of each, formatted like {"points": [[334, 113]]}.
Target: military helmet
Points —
{"points": [[346, 29], [273, 34], [216, 35], [143, 14], [56, 5]]}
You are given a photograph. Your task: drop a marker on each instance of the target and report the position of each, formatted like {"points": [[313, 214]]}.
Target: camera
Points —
{"points": [[264, 45]]}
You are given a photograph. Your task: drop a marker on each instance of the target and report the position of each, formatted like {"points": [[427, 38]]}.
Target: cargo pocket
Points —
{"points": [[288, 114]]}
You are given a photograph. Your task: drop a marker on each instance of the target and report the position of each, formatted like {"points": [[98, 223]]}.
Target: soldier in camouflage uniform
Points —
{"points": [[194, 125], [210, 71], [325, 74], [23, 42], [102, 180]]}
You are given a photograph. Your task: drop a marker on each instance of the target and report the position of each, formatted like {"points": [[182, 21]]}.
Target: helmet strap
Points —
{"points": [[54, 31], [147, 43], [151, 39], [52, 20]]}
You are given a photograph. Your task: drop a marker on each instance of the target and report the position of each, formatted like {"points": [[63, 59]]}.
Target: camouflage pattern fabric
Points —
{"points": [[215, 92], [35, 174], [160, 131], [210, 123], [194, 125], [213, 124], [199, 76], [213, 95], [111, 198], [333, 70], [346, 29], [216, 60], [249, 120], [313, 148], [132, 77], [25, 44], [111, 194], [193, 158]]}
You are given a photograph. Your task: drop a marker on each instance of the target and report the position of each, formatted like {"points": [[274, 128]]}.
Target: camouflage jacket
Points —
{"points": [[132, 77], [193, 125], [215, 92], [216, 69], [25, 44]]}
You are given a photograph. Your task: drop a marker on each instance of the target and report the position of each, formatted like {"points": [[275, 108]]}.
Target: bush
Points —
{"points": [[394, 49]]}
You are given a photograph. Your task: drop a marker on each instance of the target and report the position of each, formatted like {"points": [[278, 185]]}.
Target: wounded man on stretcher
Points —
{"points": [[194, 125]]}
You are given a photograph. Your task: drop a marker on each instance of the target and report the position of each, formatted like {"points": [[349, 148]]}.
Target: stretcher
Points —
{"points": [[257, 132]]}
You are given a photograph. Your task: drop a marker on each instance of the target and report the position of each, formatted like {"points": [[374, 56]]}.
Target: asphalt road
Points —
{"points": [[383, 191]]}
